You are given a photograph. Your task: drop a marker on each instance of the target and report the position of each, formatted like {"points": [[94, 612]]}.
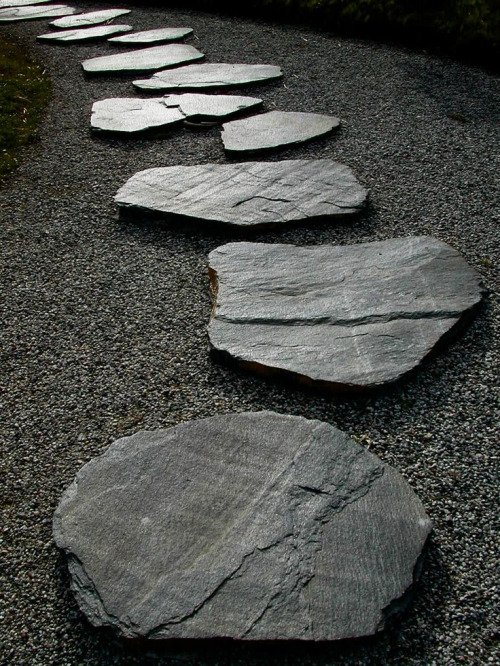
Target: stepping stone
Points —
{"points": [[21, 3], [209, 75], [90, 18], [136, 115], [338, 317], [142, 60], [249, 194], [275, 129], [35, 12], [152, 36], [255, 526], [84, 34]]}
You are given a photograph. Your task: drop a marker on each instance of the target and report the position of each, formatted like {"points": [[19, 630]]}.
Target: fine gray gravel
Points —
{"points": [[104, 326]]}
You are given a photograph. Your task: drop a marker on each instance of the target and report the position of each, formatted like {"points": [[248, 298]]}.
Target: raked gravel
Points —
{"points": [[104, 325]]}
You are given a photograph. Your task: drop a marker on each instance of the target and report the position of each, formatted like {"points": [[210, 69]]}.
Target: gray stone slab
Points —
{"points": [[84, 34], [209, 75], [21, 3], [249, 194], [90, 18], [255, 526], [268, 131], [152, 36], [339, 317], [142, 60], [35, 12]]}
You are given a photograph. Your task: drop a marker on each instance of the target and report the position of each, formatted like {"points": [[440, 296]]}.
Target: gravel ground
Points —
{"points": [[105, 326]]}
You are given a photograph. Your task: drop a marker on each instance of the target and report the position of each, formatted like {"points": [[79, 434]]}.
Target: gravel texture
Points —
{"points": [[104, 326]]}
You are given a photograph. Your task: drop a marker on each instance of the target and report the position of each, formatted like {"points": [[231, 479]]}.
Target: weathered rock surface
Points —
{"points": [[84, 34], [252, 526], [21, 3], [36, 12], [142, 60], [247, 194], [344, 317], [152, 36], [209, 75], [90, 18], [268, 131]]}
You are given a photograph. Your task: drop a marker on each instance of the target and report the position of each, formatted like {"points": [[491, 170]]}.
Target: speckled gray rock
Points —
{"points": [[343, 317], [246, 194], [209, 75], [90, 18], [84, 34], [35, 12], [142, 60], [152, 36], [21, 3], [268, 131], [251, 526]]}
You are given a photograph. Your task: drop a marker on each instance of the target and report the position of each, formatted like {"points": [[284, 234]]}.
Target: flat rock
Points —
{"points": [[247, 194], [209, 75], [275, 129], [152, 36], [35, 12], [142, 60], [340, 317], [90, 18], [255, 526], [21, 3], [84, 34]]}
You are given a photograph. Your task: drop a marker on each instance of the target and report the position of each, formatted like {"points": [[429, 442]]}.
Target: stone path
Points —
{"points": [[152, 36], [89, 18], [84, 34], [29, 13]]}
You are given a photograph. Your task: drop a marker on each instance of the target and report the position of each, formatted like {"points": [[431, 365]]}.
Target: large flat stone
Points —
{"points": [[341, 317], [34, 12], [84, 34], [90, 18], [209, 75], [254, 526], [21, 3], [152, 36], [247, 194], [268, 131], [142, 60]]}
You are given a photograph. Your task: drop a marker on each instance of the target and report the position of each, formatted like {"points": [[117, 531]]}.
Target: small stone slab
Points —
{"points": [[339, 317], [90, 18], [21, 3], [255, 526], [209, 75], [268, 131], [142, 60], [84, 34], [152, 36], [35, 12], [249, 194]]}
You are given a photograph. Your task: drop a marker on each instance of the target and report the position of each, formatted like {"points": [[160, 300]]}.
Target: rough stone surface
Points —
{"points": [[247, 194], [252, 526], [152, 36], [84, 34], [21, 3], [268, 131], [209, 75], [142, 60], [35, 12], [346, 317], [90, 18]]}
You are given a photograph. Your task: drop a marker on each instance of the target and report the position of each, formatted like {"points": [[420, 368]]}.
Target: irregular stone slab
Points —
{"points": [[84, 34], [142, 60], [209, 75], [255, 526], [35, 12], [272, 130], [152, 36], [137, 115], [90, 18], [21, 3], [247, 194], [342, 317]]}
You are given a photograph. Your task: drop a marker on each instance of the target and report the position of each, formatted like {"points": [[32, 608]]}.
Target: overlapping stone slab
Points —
{"points": [[142, 60], [21, 3], [152, 36], [90, 18], [268, 131], [340, 317], [209, 75], [254, 526], [249, 194], [84, 34], [35, 12]]}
